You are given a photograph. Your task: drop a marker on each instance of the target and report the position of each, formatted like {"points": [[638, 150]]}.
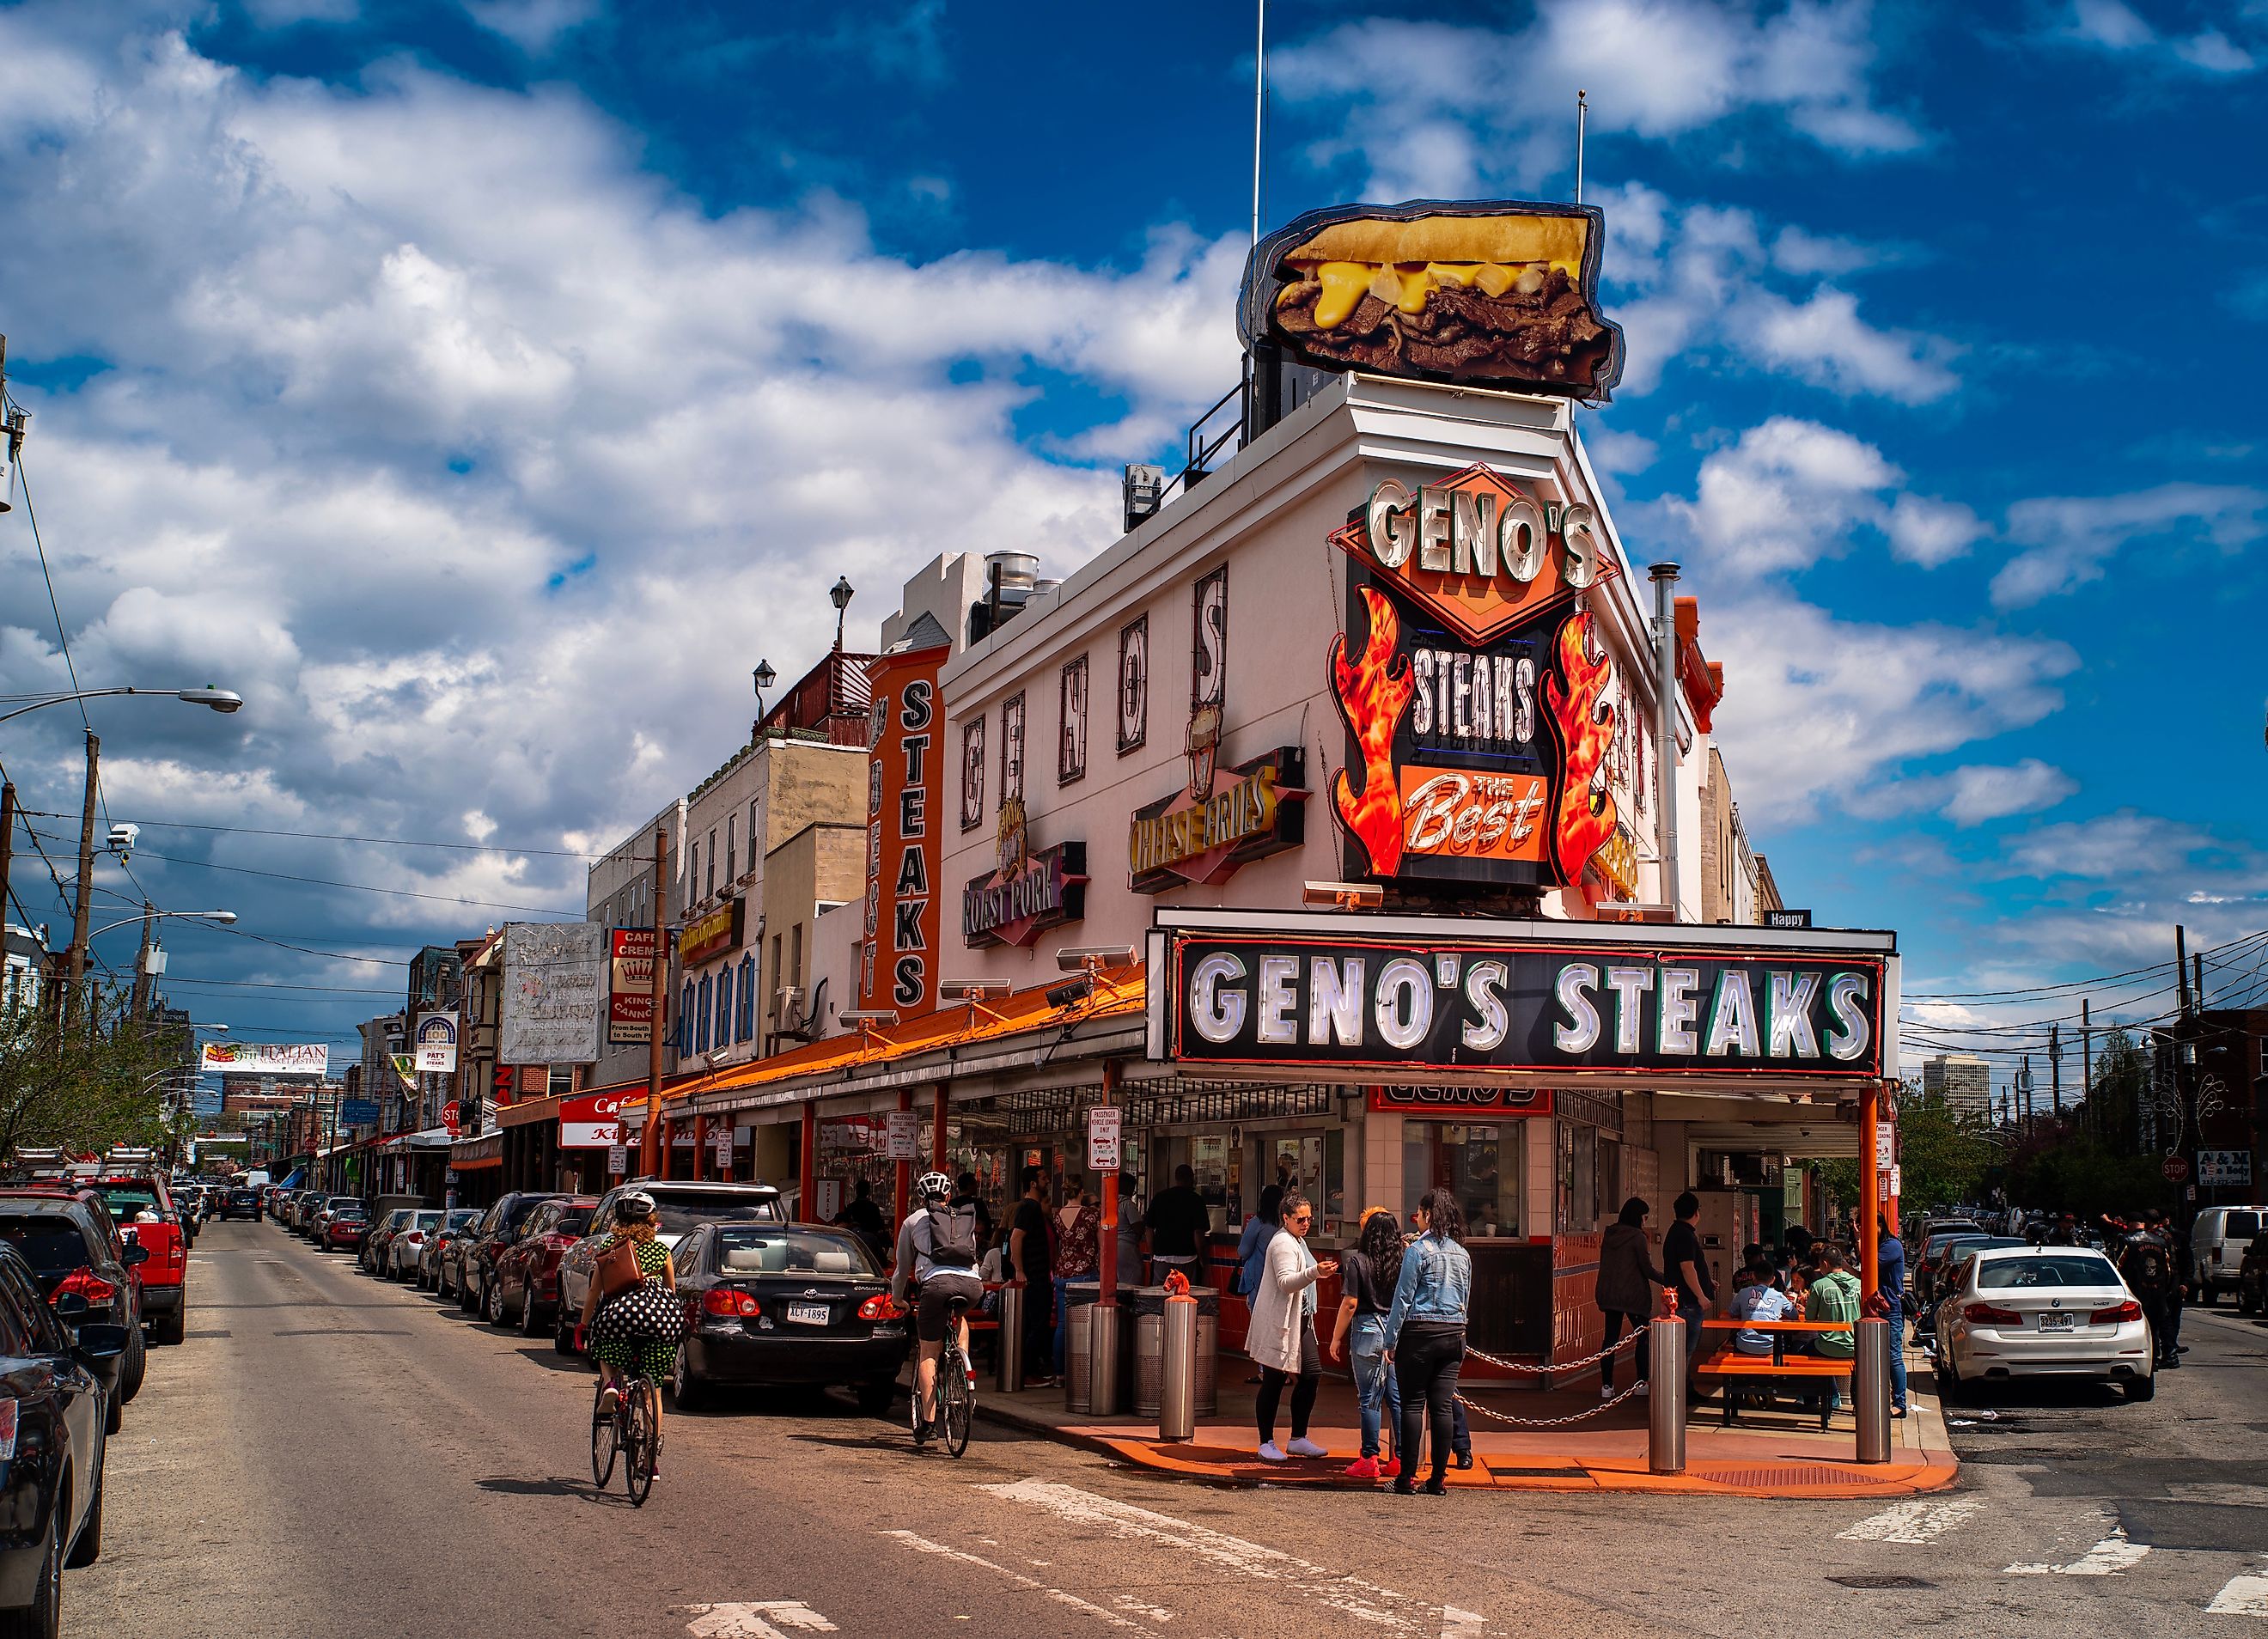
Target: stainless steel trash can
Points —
{"points": [[1146, 1307], [1008, 1378], [1078, 1345]]}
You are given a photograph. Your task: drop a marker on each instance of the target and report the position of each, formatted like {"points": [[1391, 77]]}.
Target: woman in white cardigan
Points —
{"points": [[1282, 1335]]}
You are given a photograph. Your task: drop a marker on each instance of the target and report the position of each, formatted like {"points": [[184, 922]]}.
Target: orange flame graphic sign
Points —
{"points": [[1585, 815], [1374, 692]]}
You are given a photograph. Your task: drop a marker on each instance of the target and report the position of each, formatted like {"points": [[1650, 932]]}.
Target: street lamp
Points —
{"points": [[765, 677], [221, 700], [223, 917], [840, 594]]}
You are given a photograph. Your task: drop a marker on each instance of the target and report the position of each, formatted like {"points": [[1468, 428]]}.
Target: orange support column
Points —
{"points": [[807, 1165], [1870, 1239]]}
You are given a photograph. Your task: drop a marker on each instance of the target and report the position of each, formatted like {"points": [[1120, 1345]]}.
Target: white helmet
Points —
{"points": [[933, 1186]]}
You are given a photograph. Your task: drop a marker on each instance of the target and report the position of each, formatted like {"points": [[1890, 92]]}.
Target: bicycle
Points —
{"points": [[632, 1430], [956, 1387]]}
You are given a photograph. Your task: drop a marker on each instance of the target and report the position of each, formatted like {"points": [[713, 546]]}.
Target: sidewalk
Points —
{"points": [[1769, 1454]]}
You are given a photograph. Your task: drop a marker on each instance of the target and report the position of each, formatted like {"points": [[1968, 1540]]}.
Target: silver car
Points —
{"points": [[403, 1251], [2023, 1311]]}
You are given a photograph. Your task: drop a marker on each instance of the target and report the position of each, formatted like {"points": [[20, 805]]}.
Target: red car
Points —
{"points": [[526, 1282], [143, 1208], [346, 1229]]}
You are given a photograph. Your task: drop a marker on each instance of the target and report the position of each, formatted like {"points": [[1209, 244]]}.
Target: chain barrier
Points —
{"points": [[1561, 1368], [1552, 1423]]}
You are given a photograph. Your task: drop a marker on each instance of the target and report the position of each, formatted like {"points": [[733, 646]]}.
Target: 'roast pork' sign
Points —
{"points": [[1673, 1004]]}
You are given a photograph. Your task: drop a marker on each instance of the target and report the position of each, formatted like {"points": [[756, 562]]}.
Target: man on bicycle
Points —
{"points": [[936, 1256]]}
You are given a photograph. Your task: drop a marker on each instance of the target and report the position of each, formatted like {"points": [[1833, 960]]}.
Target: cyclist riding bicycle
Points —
{"points": [[635, 1330], [936, 1256]]}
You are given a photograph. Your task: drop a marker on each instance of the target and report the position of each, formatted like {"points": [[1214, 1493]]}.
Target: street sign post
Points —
{"points": [[618, 1160], [2176, 1169], [1102, 1129], [904, 1130]]}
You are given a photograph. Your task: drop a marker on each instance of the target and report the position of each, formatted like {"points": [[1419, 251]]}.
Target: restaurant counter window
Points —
{"points": [[1479, 1163], [1585, 1177], [1314, 1164]]}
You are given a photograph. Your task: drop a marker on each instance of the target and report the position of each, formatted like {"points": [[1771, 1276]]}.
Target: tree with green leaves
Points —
{"points": [[1944, 1156], [86, 1088]]}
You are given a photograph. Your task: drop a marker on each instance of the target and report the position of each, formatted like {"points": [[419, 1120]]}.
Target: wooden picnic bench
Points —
{"points": [[1735, 1368]]}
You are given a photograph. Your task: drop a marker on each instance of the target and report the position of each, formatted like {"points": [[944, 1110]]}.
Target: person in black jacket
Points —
{"points": [[1628, 1277]]}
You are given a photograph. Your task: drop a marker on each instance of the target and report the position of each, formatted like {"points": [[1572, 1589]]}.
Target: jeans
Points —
{"points": [[1426, 1359], [1303, 1391], [1692, 1314], [1898, 1357], [1062, 1314], [1642, 1327], [1375, 1381]]}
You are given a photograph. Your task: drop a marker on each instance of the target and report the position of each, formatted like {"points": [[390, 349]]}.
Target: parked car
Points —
{"points": [[143, 1210], [796, 1303], [2252, 1276], [1933, 1273], [2019, 1311], [72, 1249], [407, 1243], [440, 1246], [527, 1275], [370, 1257], [241, 1203], [2218, 1238], [331, 1209], [311, 1208], [683, 1207], [53, 1441], [496, 1230], [344, 1227]]}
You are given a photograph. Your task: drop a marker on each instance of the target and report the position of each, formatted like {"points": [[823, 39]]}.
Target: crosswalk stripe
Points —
{"points": [[1913, 1521], [2109, 1557], [2245, 1595]]}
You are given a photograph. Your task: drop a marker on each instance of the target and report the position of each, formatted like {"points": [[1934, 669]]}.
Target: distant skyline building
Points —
{"points": [[1959, 1081]]}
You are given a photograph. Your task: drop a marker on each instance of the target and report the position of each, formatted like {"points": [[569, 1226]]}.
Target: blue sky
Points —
{"points": [[483, 388]]}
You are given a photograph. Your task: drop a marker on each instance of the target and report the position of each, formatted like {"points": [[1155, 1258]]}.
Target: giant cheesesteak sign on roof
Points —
{"points": [[1500, 293]]}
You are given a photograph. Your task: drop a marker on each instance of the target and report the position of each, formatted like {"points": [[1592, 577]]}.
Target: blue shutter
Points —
{"points": [[685, 1023], [747, 998], [724, 1007], [701, 1018]]}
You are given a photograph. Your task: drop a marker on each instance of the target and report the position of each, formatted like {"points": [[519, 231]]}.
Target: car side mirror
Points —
{"points": [[68, 1305], [98, 1340], [136, 1255]]}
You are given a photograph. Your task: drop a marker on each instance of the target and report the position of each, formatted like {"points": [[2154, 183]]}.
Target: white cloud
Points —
{"points": [[534, 26], [2070, 539], [1436, 110], [1971, 795], [1793, 491], [2111, 25], [1822, 340]]}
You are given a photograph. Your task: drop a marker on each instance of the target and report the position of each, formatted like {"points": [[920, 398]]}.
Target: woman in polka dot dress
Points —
{"points": [[637, 1330]]}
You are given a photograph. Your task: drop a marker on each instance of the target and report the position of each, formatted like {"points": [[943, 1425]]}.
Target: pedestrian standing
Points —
{"points": [[1628, 1278], [1031, 1259], [1687, 1271], [1890, 1272], [1252, 1249], [1281, 1338], [1078, 1255], [1425, 1334], [1366, 1282], [2147, 1264], [2184, 1257], [1179, 1223]]}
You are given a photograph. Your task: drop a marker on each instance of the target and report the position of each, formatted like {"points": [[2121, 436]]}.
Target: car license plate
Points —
{"points": [[807, 1314], [2057, 1322]]}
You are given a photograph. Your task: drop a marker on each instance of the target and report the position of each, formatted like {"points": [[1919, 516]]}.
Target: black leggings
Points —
{"points": [[1303, 1389], [1425, 1360], [1616, 1320]]}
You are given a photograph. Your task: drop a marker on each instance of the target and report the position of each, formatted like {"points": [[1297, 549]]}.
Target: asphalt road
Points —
{"points": [[331, 1456]]}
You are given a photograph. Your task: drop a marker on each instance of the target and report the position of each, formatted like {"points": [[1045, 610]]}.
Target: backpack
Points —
{"points": [[953, 1235]]}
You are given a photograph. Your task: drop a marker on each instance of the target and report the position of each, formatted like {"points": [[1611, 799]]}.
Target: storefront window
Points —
{"points": [[1578, 1179], [1479, 1164]]}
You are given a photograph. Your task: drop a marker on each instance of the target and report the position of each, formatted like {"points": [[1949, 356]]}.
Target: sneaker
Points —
{"points": [[1464, 1461], [1437, 1487], [1270, 1453], [1642, 1390], [1402, 1487], [1390, 1469], [1606, 1391], [1361, 1468], [1304, 1447]]}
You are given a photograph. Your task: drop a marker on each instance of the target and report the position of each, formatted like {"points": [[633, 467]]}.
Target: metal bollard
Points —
{"points": [[1870, 1390], [1009, 1341], [1103, 1361], [1177, 1397], [1665, 1409]]}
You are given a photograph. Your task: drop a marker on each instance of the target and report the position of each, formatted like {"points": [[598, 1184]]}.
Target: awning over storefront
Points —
{"points": [[431, 1138], [470, 1155]]}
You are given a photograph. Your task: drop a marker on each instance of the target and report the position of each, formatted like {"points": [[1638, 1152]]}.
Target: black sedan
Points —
{"points": [[786, 1304], [240, 1203], [51, 1443]]}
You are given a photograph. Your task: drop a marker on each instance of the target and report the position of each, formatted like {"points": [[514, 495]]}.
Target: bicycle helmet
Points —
{"points": [[633, 1205], [934, 1186]]}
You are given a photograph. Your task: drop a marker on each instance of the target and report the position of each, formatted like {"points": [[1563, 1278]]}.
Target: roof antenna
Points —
{"points": [[1582, 116], [1259, 106]]}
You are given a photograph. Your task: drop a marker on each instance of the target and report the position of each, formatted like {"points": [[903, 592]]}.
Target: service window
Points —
{"points": [[1478, 1163]]}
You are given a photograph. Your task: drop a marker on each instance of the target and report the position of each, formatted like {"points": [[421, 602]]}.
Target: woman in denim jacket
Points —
{"points": [[1367, 1279], [1426, 1334]]}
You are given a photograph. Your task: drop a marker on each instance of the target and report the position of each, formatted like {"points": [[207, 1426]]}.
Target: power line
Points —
{"points": [[385, 841]]}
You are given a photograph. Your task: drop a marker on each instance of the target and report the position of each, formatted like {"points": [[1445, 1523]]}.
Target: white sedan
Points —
{"points": [[2022, 1311]]}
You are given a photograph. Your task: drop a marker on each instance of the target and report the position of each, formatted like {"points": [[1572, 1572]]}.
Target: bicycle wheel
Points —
{"points": [[641, 1441], [605, 1441], [956, 1389]]}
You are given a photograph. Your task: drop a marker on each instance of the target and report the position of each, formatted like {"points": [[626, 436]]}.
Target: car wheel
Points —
{"points": [[172, 1328], [114, 1414], [43, 1618], [688, 1390], [528, 1327], [464, 1294], [492, 1303], [87, 1547], [875, 1397], [135, 1366], [2141, 1388]]}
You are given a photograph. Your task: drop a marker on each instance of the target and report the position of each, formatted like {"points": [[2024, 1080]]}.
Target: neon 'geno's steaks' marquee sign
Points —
{"points": [[1271, 999]]}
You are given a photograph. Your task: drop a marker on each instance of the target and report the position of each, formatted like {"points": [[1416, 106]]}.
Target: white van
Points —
{"points": [[2218, 1240]]}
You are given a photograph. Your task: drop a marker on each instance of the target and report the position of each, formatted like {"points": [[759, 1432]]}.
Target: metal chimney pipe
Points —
{"points": [[1665, 735]]}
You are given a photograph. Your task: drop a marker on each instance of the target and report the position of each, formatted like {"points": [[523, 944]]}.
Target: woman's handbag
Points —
{"points": [[617, 1269]]}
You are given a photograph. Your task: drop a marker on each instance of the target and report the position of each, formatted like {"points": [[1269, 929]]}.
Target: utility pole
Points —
{"points": [[2198, 989], [2181, 967], [2055, 1068], [77, 999], [142, 961], [650, 1140], [2092, 1115], [2024, 1089], [7, 839]]}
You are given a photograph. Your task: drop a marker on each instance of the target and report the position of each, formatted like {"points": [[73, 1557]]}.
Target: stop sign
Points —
{"points": [[449, 1117], [2176, 1169]]}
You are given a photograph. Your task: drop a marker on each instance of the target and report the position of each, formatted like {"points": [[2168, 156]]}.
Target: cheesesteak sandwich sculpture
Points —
{"points": [[1501, 293]]}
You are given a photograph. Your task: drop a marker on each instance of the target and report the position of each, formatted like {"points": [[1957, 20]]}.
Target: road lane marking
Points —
{"points": [[1911, 1522], [922, 1545], [2241, 1596], [754, 1619], [2110, 1557], [1366, 1601]]}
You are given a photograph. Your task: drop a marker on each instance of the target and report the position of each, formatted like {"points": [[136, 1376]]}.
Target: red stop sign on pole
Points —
{"points": [[2176, 1169], [449, 1117]]}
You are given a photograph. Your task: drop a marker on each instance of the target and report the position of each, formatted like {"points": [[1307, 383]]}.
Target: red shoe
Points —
{"points": [[1390, 1469], [1363, 1468]]}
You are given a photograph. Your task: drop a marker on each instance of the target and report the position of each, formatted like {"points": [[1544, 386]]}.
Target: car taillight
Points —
{"points": [[88, 1285], [880, 1306], [415, 1237], [8, 1409], [720, 1300], [2128, 1310], [1985, 1314]]}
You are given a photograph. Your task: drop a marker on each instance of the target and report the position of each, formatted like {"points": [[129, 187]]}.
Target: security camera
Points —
{"points": [[122, 837]]}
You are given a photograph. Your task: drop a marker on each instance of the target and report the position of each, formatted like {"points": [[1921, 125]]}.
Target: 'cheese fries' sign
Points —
{"points": [[1500, 293]]}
